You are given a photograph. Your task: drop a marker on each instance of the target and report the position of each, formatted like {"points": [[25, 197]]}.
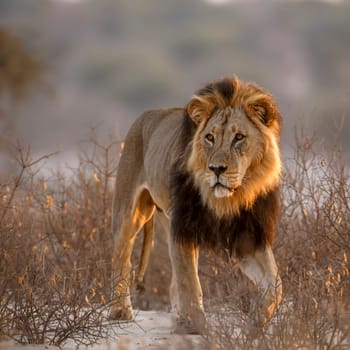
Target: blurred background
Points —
{"points": [[67, 66]]}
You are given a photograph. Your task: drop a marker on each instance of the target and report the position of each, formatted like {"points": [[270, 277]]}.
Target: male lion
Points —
{"points": [[213, 171]]}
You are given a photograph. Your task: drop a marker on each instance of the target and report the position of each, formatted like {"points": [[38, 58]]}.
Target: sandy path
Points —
{"points": [[151, 330]]}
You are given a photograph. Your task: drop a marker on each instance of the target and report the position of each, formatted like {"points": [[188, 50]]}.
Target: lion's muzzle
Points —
{"points": [[223, 182]]}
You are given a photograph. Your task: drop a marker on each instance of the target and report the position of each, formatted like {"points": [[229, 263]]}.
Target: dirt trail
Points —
{"points": [[151, 330]]}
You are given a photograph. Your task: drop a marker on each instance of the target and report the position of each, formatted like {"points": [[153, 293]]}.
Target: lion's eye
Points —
{"points": [[209, 138], [238, 137]]}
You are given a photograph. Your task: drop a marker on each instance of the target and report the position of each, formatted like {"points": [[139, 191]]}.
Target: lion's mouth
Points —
{"points": [[219, 184], [221, 190]]}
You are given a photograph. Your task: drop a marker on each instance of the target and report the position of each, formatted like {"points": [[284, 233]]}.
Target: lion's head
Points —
{"points": [[234, 155]]}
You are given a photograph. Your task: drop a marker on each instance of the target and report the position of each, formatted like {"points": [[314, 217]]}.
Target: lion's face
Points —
{"points": [[234, 154], [230, 144]]}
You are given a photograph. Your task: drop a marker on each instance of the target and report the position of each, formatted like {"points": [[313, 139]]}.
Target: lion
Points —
{"points": [[212, 171]]}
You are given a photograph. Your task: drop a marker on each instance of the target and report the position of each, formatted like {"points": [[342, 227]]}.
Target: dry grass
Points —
{"points": [[56, 249], [56, 256]]}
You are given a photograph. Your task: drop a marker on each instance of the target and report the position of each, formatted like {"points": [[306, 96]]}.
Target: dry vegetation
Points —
{"points": [[55, 249], [55, 257]]}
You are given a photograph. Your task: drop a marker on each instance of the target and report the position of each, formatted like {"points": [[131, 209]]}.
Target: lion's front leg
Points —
{"points": [[121, 307], [190, 312], [261, 269]]}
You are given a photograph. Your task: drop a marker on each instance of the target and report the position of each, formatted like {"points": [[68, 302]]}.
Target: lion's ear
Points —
{"points": [[262, 114], [199, 109], [267, 113]]}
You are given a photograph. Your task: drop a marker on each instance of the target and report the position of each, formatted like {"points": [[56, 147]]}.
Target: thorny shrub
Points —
{"points": [[55, 253]]}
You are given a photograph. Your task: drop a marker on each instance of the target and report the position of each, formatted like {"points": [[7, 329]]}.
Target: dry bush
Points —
{"points": [[56, 249]]}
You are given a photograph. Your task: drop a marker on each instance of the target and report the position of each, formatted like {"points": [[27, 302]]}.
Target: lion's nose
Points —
{"points": [[218, 170]]}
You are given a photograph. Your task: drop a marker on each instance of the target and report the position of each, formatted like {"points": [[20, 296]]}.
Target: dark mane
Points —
{"points": [[194, 223], [224, 87]]}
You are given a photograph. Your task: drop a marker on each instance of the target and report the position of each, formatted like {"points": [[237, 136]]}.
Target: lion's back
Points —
{"points": [[158, 125], [151, 147]]}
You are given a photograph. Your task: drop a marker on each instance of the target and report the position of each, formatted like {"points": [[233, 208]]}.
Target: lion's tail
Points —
{"points": [[148, 238]]}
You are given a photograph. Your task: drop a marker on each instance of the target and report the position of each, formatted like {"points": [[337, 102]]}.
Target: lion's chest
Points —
{"points": [[194, 223], [237, 235]]}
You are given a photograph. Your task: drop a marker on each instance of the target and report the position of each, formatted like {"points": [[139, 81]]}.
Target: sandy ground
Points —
{"points": [[152, 330]]}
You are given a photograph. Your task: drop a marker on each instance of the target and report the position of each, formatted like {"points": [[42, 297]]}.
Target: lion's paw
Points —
{"points": [[191, 325], [121, 313]]}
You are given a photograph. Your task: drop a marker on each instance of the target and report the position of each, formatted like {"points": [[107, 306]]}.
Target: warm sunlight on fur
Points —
{"points": [[211, 171], [253, 163]]}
